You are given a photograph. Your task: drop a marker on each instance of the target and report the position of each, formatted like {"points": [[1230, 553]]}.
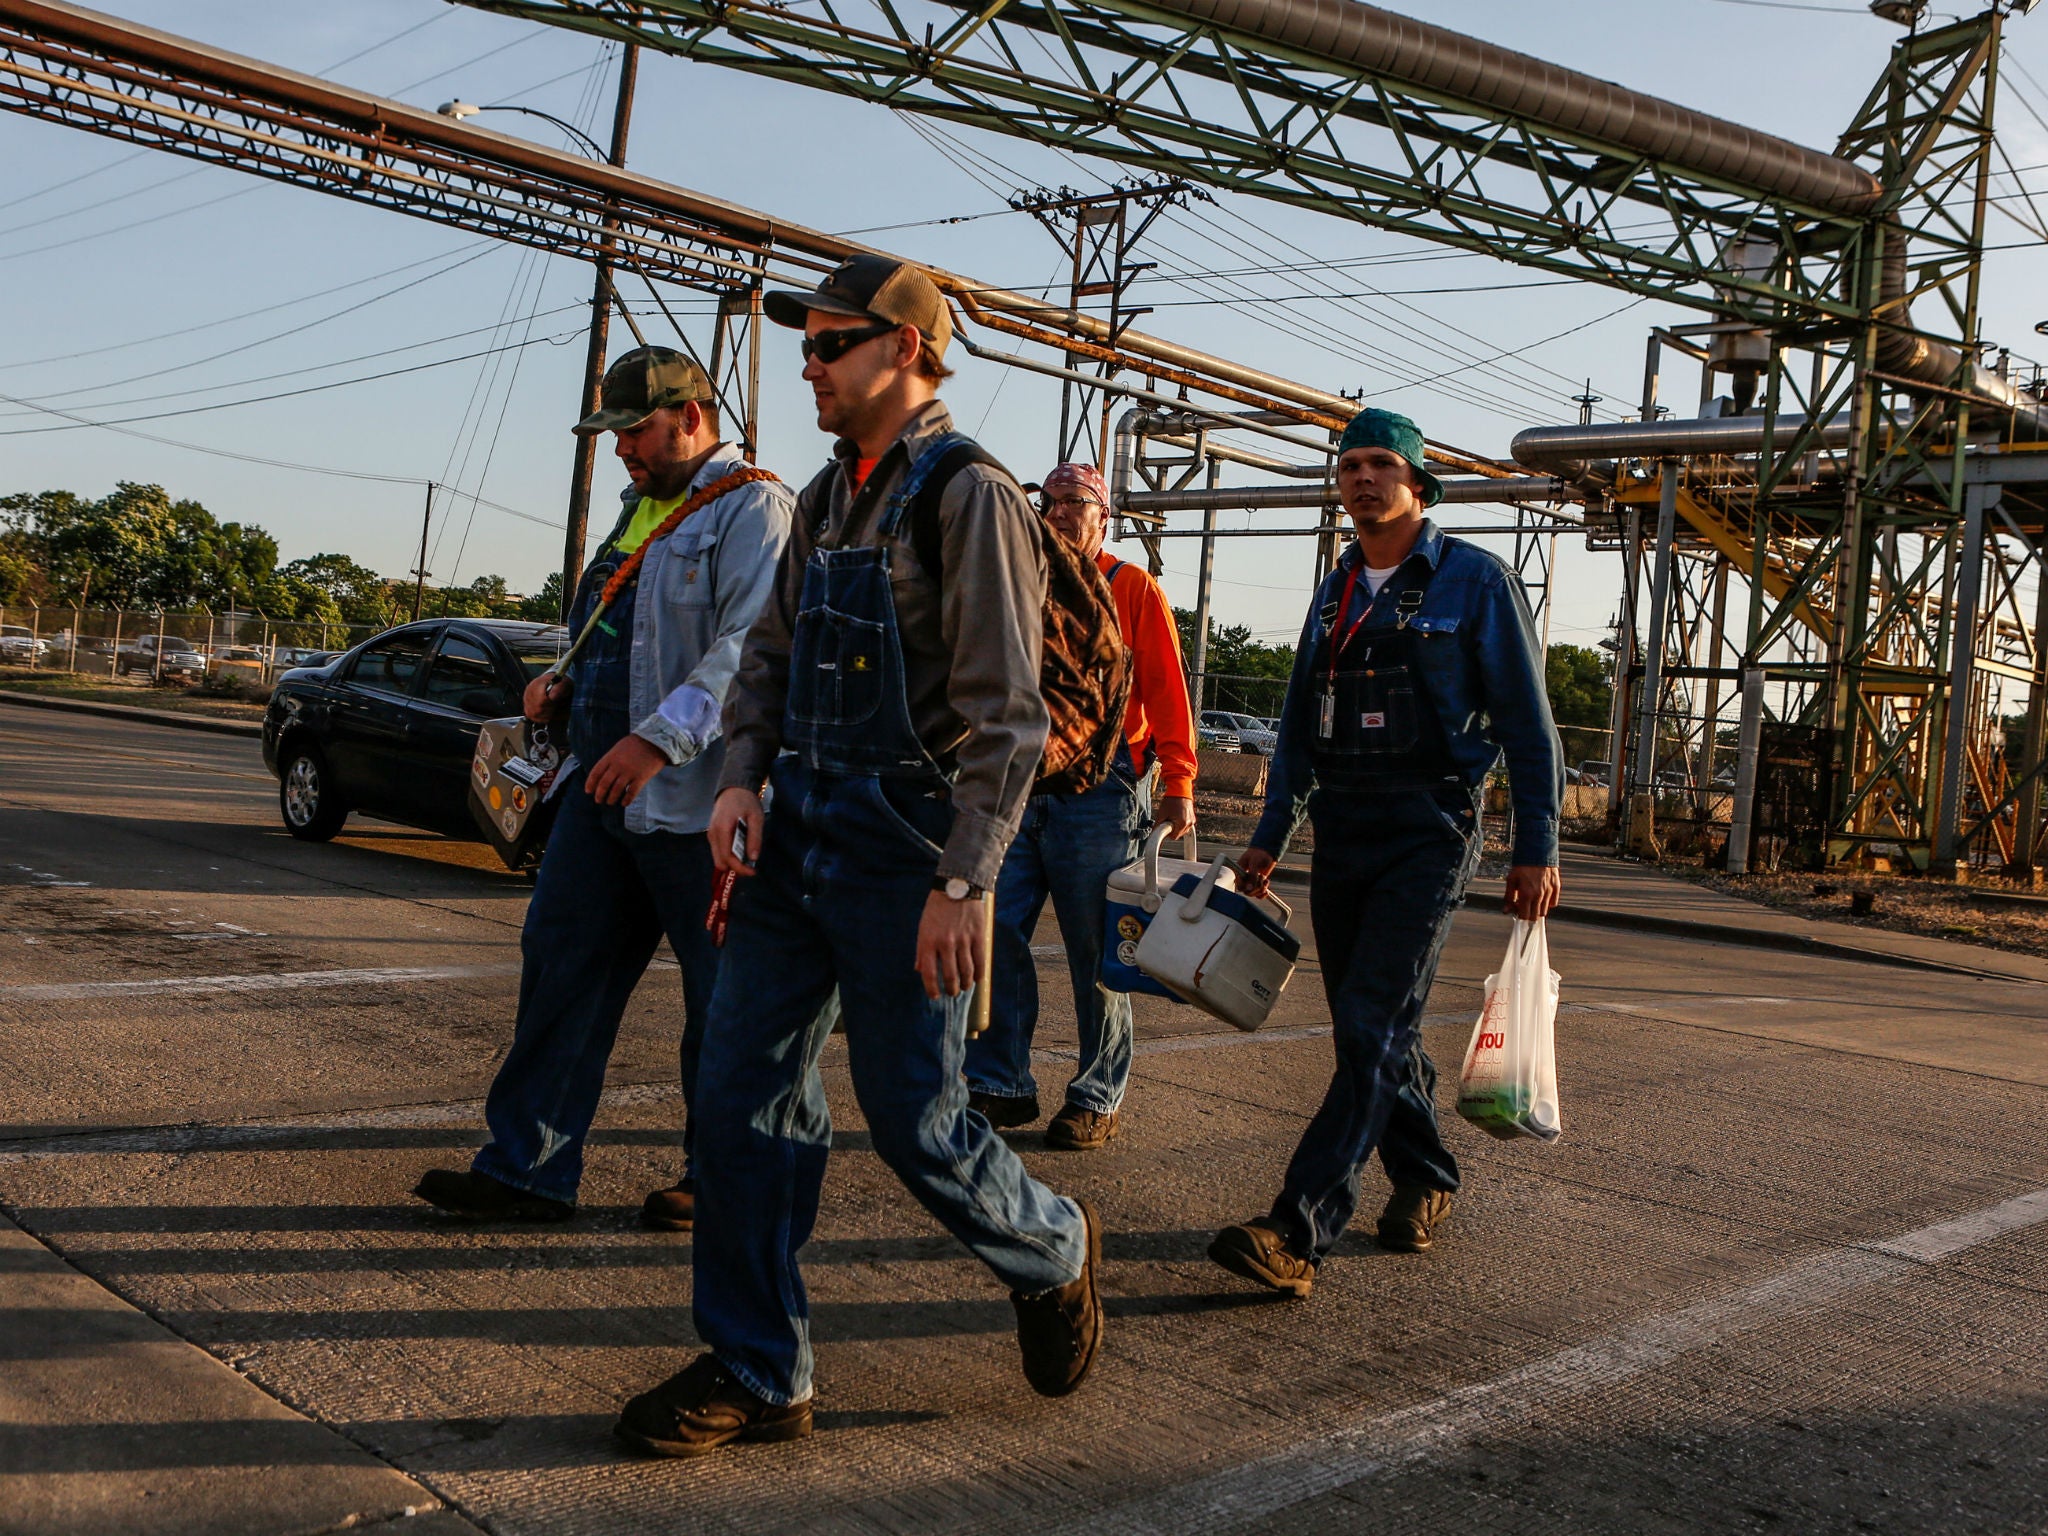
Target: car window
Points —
{"points": [[391, 664], [465, 677], [537, 653]]}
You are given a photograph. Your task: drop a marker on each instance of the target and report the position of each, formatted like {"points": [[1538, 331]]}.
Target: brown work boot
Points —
{"points": [[1258, 1251], [1075, 1129], [477, 1196], [673, 1209], [1060, 1330], [701, 1408], [1004, 1112], [1413, 1212]]}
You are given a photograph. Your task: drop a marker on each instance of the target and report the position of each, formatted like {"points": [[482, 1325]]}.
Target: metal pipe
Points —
{"points": [[1205, 577], [1567, 450], [1748, 739], [1523, 488], [1644, 771], [1362, 39], [1977, 500]]}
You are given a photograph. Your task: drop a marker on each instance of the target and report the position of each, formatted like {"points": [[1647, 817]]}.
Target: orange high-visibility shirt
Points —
{"points": [[1160, 717]]}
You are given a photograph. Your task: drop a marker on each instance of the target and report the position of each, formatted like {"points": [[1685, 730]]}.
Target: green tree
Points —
{"points": [[354, 593], [1581, 688], [545, 606]]}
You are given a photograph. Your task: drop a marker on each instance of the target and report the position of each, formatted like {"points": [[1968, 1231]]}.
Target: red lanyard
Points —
{"points": [[1338, 640]]}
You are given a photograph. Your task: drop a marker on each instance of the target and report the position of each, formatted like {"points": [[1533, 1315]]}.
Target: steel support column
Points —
{"points": [[1978, 500]]}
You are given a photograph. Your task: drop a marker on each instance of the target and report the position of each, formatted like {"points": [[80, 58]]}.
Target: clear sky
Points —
{"points": [[134, 284]]}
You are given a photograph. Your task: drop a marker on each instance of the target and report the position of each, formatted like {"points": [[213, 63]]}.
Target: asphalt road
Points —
{"points": [[1784, 1269]]}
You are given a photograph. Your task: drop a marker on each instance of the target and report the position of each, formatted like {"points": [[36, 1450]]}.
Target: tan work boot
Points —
{"points": [[1061, 1330], [1075, 1129], [673, 1209], [703, 1407], [1413, 1212], [1258, 1251]]}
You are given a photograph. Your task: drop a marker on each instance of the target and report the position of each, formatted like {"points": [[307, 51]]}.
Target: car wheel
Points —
{"points": [[305, 795]]}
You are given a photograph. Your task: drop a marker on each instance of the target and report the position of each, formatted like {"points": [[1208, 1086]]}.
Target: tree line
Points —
{"points": [[137, 548]]}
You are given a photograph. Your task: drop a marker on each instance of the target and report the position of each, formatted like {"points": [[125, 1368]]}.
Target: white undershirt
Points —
{"points": [[1376, 577]]}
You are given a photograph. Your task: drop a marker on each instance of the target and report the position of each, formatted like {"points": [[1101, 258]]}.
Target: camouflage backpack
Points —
{"points": [[1084, 671]]}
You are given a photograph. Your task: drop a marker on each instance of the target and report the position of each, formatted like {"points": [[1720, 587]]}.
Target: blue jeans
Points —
{"points": [[1065, 848], [841, 883], [604, 899], [1388, 872]]}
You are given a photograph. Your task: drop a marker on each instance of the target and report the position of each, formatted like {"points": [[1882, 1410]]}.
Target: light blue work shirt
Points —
{"points": [[699, 590]]}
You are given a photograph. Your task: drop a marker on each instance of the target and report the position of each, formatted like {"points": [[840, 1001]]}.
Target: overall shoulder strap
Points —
{"points": [[925, 486]]}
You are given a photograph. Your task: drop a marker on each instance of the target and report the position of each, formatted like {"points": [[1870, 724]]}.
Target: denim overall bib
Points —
{"points": [[848, 711], [860, 814]]}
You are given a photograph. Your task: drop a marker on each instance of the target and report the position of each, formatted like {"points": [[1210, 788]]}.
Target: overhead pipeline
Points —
{"points": [[1571, 451], [1363, 39], [1905, 354]]}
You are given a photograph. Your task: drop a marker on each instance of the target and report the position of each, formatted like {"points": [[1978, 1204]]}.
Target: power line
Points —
{"points": [[293, 373], [269, 463], [247, 314], [287, 394], [261, 341]]}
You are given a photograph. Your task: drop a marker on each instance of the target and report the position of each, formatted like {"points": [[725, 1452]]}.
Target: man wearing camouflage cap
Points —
{"points": [[626, 861], [1418, 669]]}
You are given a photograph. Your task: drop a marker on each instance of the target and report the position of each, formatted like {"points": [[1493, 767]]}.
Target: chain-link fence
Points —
{"points": [[148, 644]]}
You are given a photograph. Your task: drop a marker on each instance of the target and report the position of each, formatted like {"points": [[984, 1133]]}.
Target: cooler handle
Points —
{"points": [[1198, 900]]}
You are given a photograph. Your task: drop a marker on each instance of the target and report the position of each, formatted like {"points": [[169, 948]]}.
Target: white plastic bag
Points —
{"points": [[1508, 1087]]}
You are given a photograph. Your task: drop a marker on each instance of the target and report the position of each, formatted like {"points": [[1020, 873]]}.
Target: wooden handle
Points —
{"points": [[984, 982]]}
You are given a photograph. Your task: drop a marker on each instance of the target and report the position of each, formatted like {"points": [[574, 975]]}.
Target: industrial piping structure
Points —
{"points": [[1871, 517], [1851, 523]]}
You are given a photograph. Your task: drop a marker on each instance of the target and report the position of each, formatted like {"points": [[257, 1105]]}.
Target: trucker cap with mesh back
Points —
{"points": [[872, 288], [639, 384]]}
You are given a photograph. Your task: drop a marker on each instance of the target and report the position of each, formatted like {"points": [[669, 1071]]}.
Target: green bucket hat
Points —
{"points": [[1375, 428]]}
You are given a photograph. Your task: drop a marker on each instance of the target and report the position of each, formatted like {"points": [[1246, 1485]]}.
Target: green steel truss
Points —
{"points": [[1126, 82]]}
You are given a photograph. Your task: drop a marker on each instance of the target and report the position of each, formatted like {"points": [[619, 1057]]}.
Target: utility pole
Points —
{"points": [[419, 574], [1104, 235], [585, 464]]}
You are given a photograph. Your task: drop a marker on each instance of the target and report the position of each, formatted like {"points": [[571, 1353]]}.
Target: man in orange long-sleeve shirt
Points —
{"points": [[1067, 846]]}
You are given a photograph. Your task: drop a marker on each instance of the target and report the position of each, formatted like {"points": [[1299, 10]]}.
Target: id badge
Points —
{"points": [[1326, 724]]}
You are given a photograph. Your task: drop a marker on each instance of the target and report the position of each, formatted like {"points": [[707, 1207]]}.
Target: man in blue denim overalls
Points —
{"points": [[895, 710], [626, 864], [1418, 668]]}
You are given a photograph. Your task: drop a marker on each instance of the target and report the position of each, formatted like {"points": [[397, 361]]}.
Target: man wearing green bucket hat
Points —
{"points": [[1418, 669]]}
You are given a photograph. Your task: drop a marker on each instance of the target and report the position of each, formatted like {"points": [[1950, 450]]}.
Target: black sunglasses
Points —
{"points": [[830, 346]]}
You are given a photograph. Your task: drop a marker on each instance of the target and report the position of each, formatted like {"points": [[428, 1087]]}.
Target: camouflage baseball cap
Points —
{"points": [[639, 384], [871, 288]]}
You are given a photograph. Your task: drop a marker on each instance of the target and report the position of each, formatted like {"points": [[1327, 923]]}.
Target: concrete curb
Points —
{"points": [[168, 717], [1730, 933]]}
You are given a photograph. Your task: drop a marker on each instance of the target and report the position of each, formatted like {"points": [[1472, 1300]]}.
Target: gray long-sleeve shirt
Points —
{"points": [[970, 651]]}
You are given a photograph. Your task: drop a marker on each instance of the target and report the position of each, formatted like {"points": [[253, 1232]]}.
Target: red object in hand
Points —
{"points": [[716, 919]]}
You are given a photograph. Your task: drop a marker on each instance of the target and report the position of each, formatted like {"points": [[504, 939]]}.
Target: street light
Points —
{"points": [[461, 109]]}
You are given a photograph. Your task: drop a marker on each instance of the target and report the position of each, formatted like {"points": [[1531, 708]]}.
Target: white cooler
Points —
{"points": [[1218, 949], [1134, 896]]}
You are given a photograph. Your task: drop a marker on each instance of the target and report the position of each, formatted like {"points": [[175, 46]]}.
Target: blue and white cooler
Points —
{"points": [[1135, 894], [1218, 949]]}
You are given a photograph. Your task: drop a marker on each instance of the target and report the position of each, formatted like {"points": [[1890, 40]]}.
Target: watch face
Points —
{"points": [[957, 889]]}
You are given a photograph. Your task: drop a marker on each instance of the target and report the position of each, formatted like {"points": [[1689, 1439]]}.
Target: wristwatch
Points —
{"points": [[956, 889]]}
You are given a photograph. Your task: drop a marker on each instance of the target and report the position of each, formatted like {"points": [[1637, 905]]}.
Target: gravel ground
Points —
{"points": [[1900, 903]]}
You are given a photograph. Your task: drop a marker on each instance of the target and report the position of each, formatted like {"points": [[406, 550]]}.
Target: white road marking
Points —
{"points": [[1390, 1443], [277, 981]]}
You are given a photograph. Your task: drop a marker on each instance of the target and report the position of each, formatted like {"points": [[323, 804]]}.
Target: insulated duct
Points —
{"points": [[1362, 39], [1907, 355], [1572, 450]]}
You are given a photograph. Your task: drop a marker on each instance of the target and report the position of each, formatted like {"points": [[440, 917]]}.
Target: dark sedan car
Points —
{"points": [[389, 727]]}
